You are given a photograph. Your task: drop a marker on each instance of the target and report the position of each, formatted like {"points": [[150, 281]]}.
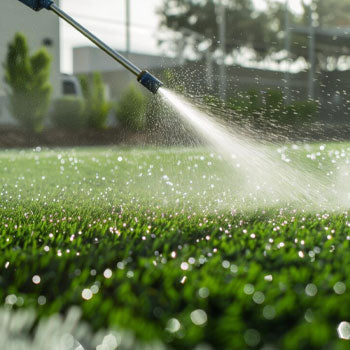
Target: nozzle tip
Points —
{"points": [[149, 81]]}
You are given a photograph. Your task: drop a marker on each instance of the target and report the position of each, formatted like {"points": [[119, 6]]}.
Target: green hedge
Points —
{"points": [[68, 113], [28, 86], [131, 109], [96, 105], [270, 108]]}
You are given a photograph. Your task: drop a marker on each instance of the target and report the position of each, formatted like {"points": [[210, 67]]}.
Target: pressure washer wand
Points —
{"points": [[143, 76]]}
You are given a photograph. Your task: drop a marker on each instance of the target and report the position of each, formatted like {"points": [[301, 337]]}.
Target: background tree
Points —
{"points": [[27, 78], [247, 27], [331, 13], [262, 32], [329, 18]]}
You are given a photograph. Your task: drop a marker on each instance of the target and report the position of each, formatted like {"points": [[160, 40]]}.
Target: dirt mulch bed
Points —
{"points": [[14, 137]]}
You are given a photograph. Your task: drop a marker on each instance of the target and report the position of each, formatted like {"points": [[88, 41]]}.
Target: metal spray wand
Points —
{"points": [[144, 77]]}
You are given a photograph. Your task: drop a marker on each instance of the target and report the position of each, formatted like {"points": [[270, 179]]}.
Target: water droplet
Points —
{"points": [[339, 288], [173, 325], [252, 337], [87, 294], [269, 312], [183, 279], [109, 343], [268, 278], [36, 279], [42, 300], [107, 273], [199, 317], [344, 330], [225, 264], [311, 290], [203, 292], [309, 316], [259, 297], [249, 289], [11, 299]]}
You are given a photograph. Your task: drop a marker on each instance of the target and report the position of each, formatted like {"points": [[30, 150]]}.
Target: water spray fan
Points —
{"points": [[144, 77]]}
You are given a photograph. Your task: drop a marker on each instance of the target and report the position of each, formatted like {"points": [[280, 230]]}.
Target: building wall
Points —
{"points": [[16, 17], [87, 59]]}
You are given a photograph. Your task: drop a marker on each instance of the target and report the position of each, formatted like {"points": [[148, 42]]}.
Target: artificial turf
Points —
{"points": [[146, 240]]}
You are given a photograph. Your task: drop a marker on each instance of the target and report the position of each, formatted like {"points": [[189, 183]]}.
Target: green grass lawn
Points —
{"points": [[165, 243]]}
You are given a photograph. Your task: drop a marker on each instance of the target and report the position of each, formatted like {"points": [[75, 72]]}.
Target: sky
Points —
{"points": [[106, 19]]}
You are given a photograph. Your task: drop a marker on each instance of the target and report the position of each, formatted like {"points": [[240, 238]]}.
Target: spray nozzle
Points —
{"points": [[149, 81], [38, 5]]}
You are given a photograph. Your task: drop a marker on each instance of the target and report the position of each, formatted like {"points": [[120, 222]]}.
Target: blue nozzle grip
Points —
{"points": [[149, 81], [38, 5]]}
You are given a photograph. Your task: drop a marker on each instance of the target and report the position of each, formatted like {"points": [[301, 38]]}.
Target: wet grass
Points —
{"points": [[154, 241]]}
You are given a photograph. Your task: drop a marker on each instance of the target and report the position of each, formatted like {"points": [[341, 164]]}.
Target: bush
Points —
{"points": [[302, 111], [96, 105], [27, 78], [266, 109], [131, 109], [213, 101], [68, 113]]}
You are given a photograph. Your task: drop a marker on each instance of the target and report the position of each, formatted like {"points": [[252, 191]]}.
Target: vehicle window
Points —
{"points": [[69, 88]]}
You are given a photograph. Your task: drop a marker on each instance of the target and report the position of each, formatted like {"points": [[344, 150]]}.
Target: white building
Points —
{"points": [[41, 29]]}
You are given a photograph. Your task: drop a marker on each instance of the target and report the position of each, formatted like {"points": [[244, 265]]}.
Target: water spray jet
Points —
{"points": [[143, 77]]}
